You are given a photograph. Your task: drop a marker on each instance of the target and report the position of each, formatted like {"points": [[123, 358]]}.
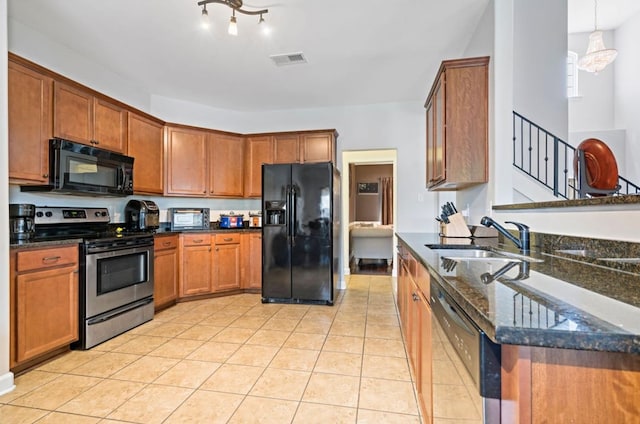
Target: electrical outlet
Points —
{"points": [[420, 197]]}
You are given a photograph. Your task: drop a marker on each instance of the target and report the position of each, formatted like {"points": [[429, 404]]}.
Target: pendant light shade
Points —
{"points": [[597, 56]]}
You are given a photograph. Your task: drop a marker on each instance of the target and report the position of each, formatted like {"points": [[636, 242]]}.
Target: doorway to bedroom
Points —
{"points": [[369, 184]]}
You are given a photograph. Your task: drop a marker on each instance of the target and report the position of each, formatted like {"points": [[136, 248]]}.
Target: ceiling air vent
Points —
{"points": [[288, 58]]}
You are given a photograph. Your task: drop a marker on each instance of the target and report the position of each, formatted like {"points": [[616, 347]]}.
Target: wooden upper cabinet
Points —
{"points": [[81, 117], [186, 162], [435, 134], [286, 148], [146, 147], [30, 124], [318, 147], [259, 150], [109, 126], [457, 125], [226, 171], [72, 114]]}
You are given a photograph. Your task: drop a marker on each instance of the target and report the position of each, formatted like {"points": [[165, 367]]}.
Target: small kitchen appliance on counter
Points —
{"points": [[185, 219], [142, 215], [255, 219], [21, 221], [231, 220]]}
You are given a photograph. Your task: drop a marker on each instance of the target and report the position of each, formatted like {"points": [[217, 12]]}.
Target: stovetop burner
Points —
{"points": [[90, 224]]}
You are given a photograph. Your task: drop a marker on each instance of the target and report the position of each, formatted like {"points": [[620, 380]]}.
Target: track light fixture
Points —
{"points": [[236, 6]]}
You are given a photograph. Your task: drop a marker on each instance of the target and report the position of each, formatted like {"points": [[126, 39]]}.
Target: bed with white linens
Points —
{"points": [[370, 240]]}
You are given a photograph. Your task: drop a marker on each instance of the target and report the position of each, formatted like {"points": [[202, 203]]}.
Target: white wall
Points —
{"points": [[32, 45], [593, 109], [627, 93], [475, 201], [6, 377], [539, 64]]}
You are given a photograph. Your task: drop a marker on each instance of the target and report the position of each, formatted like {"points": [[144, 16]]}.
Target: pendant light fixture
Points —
{"points": [[236, 6], [597, 56]]}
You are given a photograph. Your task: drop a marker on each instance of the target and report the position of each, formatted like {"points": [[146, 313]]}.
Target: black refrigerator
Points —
{"points": [[300, 233]]}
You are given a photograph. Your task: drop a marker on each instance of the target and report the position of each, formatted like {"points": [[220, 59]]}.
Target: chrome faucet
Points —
{"points": [[522, 243]]}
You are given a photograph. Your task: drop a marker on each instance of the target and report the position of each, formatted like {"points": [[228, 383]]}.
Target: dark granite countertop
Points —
{"points": [[161, 232], [627, 199], [50, 243], [561, 302], [167, 231]]}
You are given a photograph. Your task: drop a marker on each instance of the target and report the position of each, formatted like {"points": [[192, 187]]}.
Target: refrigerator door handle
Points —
{"points": [[288, 211], [293, 211]]}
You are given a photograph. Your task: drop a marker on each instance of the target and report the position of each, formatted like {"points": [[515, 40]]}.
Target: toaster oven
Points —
{"points": [[185, 219]]}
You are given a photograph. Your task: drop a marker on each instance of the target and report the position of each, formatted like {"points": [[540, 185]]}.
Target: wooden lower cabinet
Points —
{"points": [[226, 275], [197, 264], [415, 319], [43, 302], [545, 385], [166, 268], [210, 263], [251, 260]]}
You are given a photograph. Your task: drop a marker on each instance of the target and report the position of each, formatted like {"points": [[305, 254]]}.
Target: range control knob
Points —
{"points": [[39, 214], [104, 214], [48, 214], [97, 213]]}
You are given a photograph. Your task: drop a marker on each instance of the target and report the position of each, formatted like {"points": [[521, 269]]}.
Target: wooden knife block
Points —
{"points": [[457, 227]]}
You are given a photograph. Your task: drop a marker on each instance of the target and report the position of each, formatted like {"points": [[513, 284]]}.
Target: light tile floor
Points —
{"points": [[235, 360]]}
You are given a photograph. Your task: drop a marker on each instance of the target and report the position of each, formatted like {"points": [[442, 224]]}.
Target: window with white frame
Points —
{"points": [[572, 74]]}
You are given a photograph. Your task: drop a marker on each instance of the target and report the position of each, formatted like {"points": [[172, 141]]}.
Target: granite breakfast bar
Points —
{"points": [[566, 317]]}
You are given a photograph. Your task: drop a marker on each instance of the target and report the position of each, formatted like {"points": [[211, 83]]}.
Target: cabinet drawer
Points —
{"points": [[233, 238], [47, 258], [198, 239], [166, 242]]}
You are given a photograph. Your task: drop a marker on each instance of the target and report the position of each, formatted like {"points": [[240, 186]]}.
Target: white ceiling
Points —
{"points": [[611, 14], [358, 51]]}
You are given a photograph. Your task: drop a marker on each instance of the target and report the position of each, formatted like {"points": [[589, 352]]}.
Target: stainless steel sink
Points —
{"points": [[468, 254]]}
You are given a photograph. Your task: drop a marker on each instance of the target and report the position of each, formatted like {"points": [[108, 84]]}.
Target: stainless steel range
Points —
{"points": [[116, 270]]}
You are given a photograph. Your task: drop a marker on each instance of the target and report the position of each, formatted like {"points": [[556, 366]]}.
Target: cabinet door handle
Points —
{"points": [[209, 249], [45, 175], [166, 243], [198, 241], [227, 239], [50, 259], [415, 297]]}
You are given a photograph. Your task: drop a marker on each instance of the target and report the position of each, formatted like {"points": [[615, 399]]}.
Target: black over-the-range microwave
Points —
{"points": [[76, 168]]}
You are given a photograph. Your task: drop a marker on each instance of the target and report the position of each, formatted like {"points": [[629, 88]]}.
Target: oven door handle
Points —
{"points": [[119, 311]]}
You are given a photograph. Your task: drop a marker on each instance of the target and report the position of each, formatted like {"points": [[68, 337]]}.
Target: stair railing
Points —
{"points": [[549, 160]]}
